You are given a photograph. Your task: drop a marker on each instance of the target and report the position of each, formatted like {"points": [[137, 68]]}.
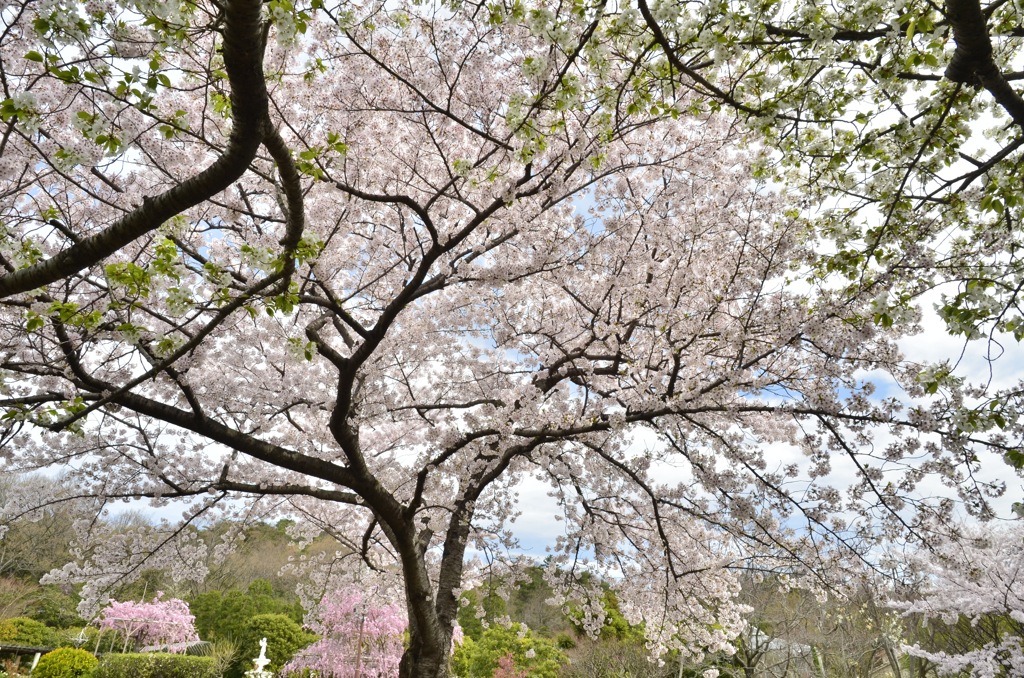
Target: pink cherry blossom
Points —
{"points": [[159, 623], [357, 639]]}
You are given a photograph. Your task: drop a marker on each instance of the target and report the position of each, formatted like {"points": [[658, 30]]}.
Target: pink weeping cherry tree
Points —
{"points": [[374, 266], [358, 639], [159, 623]]}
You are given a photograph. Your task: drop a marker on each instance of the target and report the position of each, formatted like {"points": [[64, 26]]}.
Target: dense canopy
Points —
{"points": [[376, 264]]}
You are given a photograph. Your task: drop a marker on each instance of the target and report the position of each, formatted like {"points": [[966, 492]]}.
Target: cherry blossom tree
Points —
{"points": [[976, 578], [162, 623], [357, 638], [904, 119], [373, 265]]}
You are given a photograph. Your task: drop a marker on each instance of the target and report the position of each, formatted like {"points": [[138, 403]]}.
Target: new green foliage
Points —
{"points": [[25, 631], [538, 656]]}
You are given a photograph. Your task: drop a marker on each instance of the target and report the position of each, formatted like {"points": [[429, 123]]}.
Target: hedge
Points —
{"points": [[155, 665]]}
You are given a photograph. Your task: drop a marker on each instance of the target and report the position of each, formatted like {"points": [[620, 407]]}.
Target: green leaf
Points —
{"points": [[1015, 458], [7, 110]]}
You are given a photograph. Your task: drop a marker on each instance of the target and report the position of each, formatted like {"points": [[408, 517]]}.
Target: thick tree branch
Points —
{"points": [[269, 284], [295, 219], [243, 59], [972, 62], [289, 490], [237, 440]]}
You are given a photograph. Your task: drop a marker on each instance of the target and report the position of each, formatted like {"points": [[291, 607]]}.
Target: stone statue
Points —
{"points": [[261, 663]]}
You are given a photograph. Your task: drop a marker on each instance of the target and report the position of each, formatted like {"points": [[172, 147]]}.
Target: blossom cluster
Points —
{"points": [[975, 576]]}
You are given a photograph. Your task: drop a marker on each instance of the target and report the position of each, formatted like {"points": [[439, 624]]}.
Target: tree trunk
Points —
{"points": [[428, 653], [432, 613], [420, 661], [430, 625]]}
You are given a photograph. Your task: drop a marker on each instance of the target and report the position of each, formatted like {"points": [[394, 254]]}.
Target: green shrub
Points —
{"points": [[156, 665], [564, 641], [223, 615], [533, 655], [284, 638], [66, 662], [25, 631]]}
